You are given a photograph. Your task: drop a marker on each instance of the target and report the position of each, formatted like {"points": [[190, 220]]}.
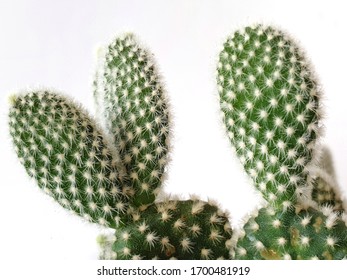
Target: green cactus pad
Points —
{"points": [[190, 229], [270, 103], [130, 97], [67, 155], [309, 234]]}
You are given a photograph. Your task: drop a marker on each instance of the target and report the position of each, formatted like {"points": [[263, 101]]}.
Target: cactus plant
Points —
{"points": [[130, 96], [308, 234], [63, 149], [111, 175], [173, 229], [270, 102], [271, 109]]}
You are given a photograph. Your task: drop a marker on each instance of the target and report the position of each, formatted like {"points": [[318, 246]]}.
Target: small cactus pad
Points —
{"points": [[190, 229], [309, 234], [64, 151], [131, 100], [326, 191], [270, 104], [105, 242], [325, 195]]}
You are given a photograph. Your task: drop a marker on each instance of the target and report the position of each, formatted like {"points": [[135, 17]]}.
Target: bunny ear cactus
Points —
{"points": [[114, 182], [173, 229], [271, 109], [63, 149], [132, 105], [270, 104], [131, 101], [308, 234]]}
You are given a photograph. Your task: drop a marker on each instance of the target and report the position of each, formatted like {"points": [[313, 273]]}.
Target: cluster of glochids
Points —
{"points": [[111, 174]]}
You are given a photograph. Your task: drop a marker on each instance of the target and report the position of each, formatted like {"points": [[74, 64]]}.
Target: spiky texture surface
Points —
{"points": [[67, 155], [190, 229], [270, 104], [309, 234], [130, 97]]}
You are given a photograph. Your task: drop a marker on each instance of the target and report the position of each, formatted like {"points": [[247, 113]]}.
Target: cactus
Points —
{"points": [[112, 178], [309, 234], [270, 102], [271, 110], [63, 149], [131, 102], [173, 229]]}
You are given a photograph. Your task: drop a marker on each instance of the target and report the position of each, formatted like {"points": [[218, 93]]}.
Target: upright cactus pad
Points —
{"points": [[186, 230], [130, 96], [270, 106], [67, 155]]}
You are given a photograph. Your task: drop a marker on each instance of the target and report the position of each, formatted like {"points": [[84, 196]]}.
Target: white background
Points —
{"points": [[52, 43]]}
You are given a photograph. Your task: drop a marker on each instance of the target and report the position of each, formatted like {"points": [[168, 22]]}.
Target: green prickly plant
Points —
{"points": [[131, 102], [271, 108], [112, 178], [130, 96], [173, 229], [304, 234], [64, 150], [270, 102]]}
